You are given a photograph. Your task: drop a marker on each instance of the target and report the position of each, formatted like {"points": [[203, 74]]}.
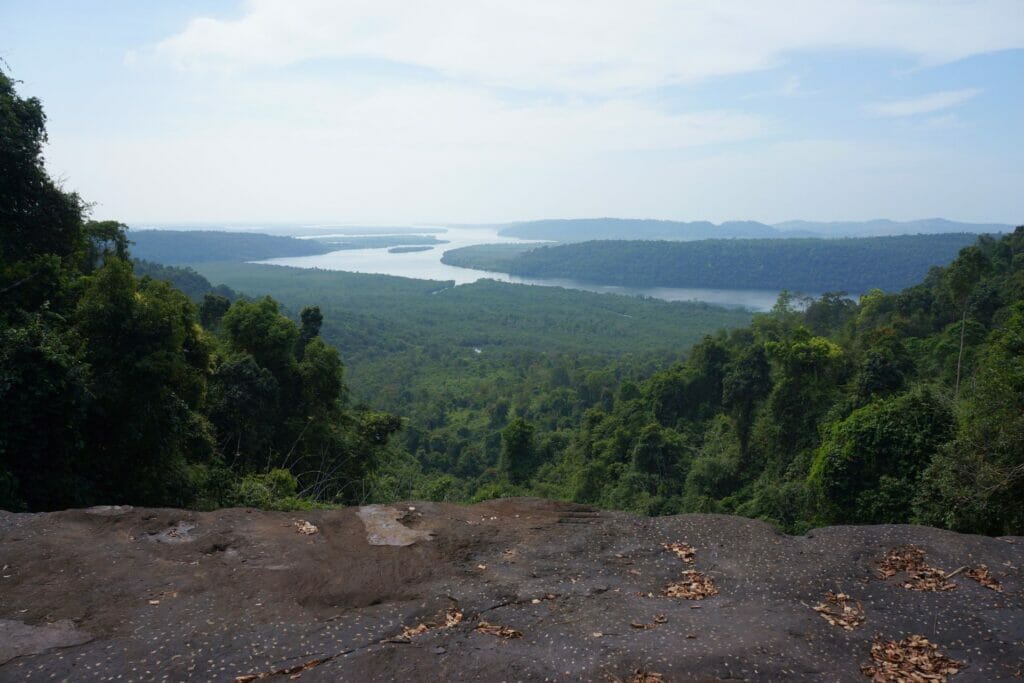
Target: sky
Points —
{"points": [[474, 111]]}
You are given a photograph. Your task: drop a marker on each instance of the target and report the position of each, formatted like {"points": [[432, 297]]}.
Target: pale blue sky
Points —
{"points": [[384, 111]]}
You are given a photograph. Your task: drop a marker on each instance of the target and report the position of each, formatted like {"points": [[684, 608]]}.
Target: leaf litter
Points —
{"points": [[912, 660], [452, 617], [839, 609], [909, 559], [499, 631], [693, 586], [982, 575], [684, 551]]}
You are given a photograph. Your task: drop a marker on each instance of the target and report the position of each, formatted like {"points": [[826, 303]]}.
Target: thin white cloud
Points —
{"points": [[590, 45], [306, 150], [925, 104]]}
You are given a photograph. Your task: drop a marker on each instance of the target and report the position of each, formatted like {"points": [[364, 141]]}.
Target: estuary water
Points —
{"points": [[426, 265]]}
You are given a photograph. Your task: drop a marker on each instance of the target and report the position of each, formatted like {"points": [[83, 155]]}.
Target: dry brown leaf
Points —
{"points": [[982, 575], [658, 619], [291, 671], [693, 586], [912, 659], [499, 631], [683, 551], [641, 676], [840, 610], [452, 617], [305, 528]]}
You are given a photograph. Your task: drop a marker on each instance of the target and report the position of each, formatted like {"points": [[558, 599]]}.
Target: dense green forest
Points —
{"points": [[130, 382], [119, 389], [458, 362], [803, 265], [903, 407]]}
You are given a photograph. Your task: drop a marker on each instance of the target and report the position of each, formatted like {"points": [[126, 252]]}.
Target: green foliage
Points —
{"points": [[518, 459], [838, 413], [192, 284], [273, 490], [868, 465], [113, 391], [976, 483]]}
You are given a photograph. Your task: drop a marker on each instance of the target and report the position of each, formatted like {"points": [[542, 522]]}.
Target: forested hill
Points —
{"points": [[177, 247], [904, 407], [804, 265], [584, 229]]}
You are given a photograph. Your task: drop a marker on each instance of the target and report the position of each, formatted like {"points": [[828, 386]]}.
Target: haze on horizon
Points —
{"points": [[387, 112]]}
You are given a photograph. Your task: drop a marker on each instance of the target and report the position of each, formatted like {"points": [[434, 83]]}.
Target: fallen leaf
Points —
{"points": [[499, 631], [840, 610], [305, 528], [452, 617]]}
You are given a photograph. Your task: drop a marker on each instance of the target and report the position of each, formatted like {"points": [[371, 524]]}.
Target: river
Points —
{"points": [[426, 265]]}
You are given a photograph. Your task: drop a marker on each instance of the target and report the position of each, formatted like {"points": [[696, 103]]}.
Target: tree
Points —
{"points": [[40, 224], [869, 465], [103, 240], [747, 381], [976, 482], [963, 275], [148, 362], [212, 310], [518, 456], [311, 320]]}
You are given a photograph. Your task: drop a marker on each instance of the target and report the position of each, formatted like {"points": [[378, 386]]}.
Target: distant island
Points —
{"points": [[407, 250], [804, 265]]}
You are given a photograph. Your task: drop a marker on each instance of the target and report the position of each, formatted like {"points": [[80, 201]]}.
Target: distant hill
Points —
{"points": [[583, 229], [814, 265], [177, 247], [882, 227]]}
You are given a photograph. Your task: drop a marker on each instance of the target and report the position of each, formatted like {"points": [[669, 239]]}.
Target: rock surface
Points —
{"points": [[566, 593]]}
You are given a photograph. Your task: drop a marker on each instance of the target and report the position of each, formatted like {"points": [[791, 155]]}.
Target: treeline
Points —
{"points": [[585, 229], [119, 389], [803, 265]]}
